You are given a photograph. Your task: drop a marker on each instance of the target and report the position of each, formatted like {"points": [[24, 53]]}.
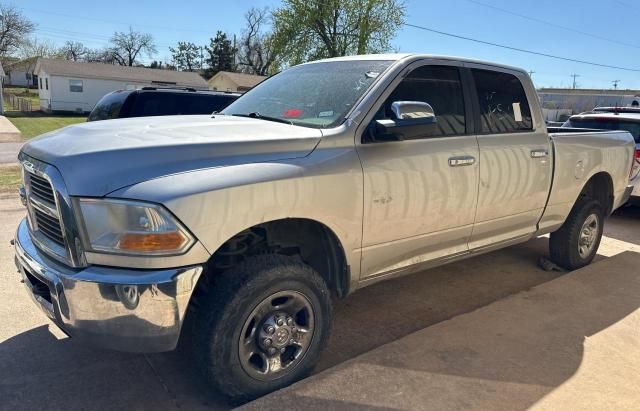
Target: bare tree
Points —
{"points": [[126, 47], [14, 29], [34, 47], [257, 51], [74, 50]]}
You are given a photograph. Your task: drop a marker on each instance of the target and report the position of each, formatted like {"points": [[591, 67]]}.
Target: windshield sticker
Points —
{"points": [[516, 112], [326, 113], [293, 113], [371, 74]]}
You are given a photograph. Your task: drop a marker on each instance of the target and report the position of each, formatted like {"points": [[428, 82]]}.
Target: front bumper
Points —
{"points": [[126, 310]]}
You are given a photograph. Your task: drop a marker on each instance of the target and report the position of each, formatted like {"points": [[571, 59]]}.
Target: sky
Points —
{"points": [[599, 31]]}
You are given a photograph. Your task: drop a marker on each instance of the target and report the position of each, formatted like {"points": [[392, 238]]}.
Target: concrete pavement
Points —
{"points": [[571, 343], [39, 367], [9, 153], [8, 132]]}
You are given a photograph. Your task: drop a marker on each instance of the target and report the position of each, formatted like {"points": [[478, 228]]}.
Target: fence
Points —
{"points": [[18, 103]]}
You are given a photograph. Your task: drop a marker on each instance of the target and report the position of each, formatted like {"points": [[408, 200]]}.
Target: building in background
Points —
{"points": [[20, 73], [71, 86], [236, 82], [572, 101]]}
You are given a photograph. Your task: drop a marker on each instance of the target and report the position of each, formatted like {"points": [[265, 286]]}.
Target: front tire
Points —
{"points": [[262, 326], [576, 243]]}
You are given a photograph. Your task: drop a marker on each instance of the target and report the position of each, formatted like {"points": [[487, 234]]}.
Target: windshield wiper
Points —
{"points": [[255, 114]]}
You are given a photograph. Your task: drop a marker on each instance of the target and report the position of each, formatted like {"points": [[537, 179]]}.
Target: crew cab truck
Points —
{"points": [[234, 232]]}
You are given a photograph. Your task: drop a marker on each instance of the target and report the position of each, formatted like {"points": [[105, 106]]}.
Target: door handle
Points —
{"points": [[461, 161], [539, 153]]}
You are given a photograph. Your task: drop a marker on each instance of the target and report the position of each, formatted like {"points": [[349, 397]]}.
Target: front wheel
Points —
{"points": [[262, 326], [576, 243]]}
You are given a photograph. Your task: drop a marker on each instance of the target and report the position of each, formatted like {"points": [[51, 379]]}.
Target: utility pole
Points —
{"points": [[531, 73], [574, 80], [615, 84]]}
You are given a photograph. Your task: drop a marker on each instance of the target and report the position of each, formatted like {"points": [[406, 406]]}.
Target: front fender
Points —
{"points": [[217, 203]]}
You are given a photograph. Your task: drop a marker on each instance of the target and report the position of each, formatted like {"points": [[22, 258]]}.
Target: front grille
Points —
{"points": [[42, 198], [49, 227], [41, 188]]}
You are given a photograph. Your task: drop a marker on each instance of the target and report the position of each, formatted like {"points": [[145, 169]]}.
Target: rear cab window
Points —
{"points": [[502, 101]]}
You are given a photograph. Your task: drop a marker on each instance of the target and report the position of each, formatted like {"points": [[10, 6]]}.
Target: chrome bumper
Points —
{"points": [[126, 310]]}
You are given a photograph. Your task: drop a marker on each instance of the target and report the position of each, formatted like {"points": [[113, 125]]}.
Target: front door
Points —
{"points": [[420, 193], [515, 158]]}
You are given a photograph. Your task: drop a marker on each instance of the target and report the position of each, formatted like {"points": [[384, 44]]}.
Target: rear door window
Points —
{"points": [[502, 101]]}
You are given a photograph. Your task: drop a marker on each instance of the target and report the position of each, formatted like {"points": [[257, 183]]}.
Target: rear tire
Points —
{"points": [[576, 243], [266, 297]]}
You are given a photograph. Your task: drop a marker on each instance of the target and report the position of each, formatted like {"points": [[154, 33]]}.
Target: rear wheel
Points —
{"points": [[262, 326], [576, 243]]}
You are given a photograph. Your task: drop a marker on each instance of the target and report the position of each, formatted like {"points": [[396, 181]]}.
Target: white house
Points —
{"points": [[77, 86], [20, 73], [228, 81]]}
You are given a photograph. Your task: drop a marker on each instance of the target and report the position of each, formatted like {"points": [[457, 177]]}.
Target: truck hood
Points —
{"points": [[99, 157]]}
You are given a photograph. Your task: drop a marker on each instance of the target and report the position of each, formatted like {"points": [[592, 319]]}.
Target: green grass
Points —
{"points": [[36, 123], [10, 178]]}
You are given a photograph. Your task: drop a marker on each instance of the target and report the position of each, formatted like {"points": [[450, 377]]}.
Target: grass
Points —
{"points": [[26, 93], [10, 179], [35, 123]]}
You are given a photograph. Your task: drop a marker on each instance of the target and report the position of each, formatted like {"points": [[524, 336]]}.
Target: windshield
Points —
{"points": [[315, 95], [606, 124]]}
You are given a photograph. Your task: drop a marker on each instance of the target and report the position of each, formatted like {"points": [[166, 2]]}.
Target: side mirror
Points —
{"points": [[413, 111], [409, 119]]}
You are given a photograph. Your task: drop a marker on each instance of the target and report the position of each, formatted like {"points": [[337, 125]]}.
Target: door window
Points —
{"points": [[440, 87], [503, 103]]}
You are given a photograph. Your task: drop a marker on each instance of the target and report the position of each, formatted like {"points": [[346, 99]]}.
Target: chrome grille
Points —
{"points": [[41, 188], [49, 227], [44, 211]]}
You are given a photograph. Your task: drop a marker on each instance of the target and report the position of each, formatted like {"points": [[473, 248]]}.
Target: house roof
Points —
{"points": [[240, 79], [123, 73], [22, 65]]}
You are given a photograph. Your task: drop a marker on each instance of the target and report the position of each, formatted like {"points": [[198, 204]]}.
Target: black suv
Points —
{"points": [[152, 101]]}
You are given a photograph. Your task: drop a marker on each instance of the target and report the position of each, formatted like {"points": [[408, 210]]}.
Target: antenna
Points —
{"points": [[574, 80]]}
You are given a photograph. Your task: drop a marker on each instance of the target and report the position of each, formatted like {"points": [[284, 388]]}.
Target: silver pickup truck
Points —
{"points": [[233, 232]]}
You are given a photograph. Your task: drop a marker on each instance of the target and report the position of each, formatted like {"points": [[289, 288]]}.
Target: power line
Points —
{"points": [[549, 23], [537, 53]]}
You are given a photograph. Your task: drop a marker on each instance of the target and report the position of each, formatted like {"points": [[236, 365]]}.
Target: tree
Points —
{"points": [[221, 54], [126, 47], [33, 47], [187, 56], [100, 56], [312, 29], [257, 49], [74, 50], [14, 29]]}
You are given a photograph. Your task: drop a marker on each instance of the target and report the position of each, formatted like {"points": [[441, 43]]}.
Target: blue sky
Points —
{"points": [[595, 31]]}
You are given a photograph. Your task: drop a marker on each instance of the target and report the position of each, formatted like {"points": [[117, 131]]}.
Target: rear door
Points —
{"points": [[515, 157]]}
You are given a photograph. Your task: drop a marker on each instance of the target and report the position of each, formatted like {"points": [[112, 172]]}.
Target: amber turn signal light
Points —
{"points": [[152, 241]]}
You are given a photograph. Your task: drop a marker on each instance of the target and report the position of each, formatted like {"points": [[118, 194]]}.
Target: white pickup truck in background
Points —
{"points": [[236, 230]]}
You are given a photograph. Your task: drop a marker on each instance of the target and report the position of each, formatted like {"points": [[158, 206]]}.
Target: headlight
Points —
{"points": [[131, 227]]}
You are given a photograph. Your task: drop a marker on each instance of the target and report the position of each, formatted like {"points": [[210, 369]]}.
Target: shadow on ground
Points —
{"points": [[38, 370]]}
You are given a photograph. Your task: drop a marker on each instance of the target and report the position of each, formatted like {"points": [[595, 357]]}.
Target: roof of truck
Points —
{"points": [[416, 56]]}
